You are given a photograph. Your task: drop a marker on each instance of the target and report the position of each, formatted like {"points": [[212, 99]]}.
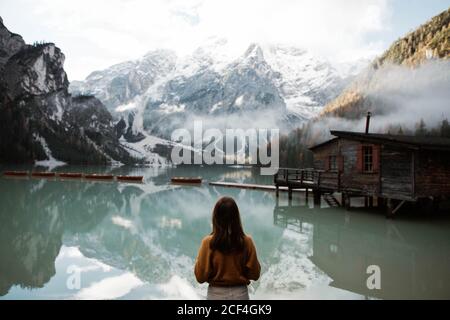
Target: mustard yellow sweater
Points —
{"points": [[220, 269]]}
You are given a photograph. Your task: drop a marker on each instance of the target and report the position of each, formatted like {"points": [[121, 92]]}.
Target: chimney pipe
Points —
{"points": [[368, 122]]}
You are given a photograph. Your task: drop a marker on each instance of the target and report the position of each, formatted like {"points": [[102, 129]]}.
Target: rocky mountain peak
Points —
{"points": [[10, 43], [36, 70], [254, 53], [40, 121], [160, 54]]}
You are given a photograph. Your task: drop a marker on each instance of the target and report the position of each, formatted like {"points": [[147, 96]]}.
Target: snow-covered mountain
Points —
{"points": [[127, 112], [120, 83], [306, 83], [265, 86]]}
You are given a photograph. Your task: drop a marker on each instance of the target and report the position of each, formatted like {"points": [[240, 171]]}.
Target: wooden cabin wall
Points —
{"points": [[329, 179], [396, 173], [433, 173], [395, 177], [321, 155], [352, 179]]}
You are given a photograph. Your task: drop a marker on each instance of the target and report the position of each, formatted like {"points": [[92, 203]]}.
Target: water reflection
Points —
{"points": [[141, 240], [414, 256]]}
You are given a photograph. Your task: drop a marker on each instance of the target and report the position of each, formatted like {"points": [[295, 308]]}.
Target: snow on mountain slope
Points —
{"points": [[144, 149], [51, 163], [306, 83], [163, 91], [120, 83]]}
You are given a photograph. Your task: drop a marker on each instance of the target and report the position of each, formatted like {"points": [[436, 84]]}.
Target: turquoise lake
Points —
{"points": [[140, 241]]}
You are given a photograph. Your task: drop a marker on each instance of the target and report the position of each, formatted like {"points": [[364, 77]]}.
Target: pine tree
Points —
{"points": [[445, 128], [421, 128]]}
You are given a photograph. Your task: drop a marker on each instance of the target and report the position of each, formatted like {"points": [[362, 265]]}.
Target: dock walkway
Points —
{"points": [[251, 186], [317, 181]]}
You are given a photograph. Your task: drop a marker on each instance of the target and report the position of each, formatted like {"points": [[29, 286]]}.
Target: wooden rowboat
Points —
{"points": [[43, 174], [70, 175], [16, 173], [188, 180], [99, 176], [130, 178]]}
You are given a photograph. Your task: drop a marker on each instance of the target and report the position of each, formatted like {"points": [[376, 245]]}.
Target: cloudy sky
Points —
{"points": [[95, 34]]}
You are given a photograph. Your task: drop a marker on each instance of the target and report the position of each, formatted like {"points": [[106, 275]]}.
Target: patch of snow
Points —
{"points": [[144, 149], [125, 107], [138, 121], [167, 109], [51, 162], [215, 107], [239, 101]]}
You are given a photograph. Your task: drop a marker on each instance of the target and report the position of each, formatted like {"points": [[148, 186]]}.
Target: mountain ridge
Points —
{"points": [[37, 111], [210, 82], [430, 41]]}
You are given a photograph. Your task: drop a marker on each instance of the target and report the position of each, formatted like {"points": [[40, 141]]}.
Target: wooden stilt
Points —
{"points": [[379, 202], [317, 197], [389, 208], [435, 205], [348, 202], [370, 202]]}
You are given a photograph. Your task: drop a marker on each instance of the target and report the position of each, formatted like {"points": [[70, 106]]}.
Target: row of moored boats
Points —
{"points": [[94, 176], [72, 175]]}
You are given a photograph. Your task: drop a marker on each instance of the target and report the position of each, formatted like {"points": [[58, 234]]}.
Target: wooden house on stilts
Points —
{"points": [[392, 169]]}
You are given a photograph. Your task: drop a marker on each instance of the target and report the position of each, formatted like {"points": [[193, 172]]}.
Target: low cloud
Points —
{"points": [[398, 96], [96, 34]]}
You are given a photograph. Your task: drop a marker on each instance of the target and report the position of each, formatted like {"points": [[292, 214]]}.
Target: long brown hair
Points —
{"points": [[227, 235]]}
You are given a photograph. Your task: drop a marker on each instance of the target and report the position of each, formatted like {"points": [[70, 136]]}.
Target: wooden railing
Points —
{"points": [[298, 175], [308, 177]]}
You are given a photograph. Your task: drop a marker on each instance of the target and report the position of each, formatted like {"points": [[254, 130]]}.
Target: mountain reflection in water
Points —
{"points": [[141, 240]]}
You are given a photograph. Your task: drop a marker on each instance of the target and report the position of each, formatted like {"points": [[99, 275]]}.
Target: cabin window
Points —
{"points": [[367, 158], [333, 166]]}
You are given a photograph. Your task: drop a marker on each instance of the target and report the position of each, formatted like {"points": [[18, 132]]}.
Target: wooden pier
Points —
{"points": [[317, 181], [261, 187]]}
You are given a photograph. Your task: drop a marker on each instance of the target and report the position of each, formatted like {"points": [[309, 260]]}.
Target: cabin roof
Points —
{"points": [[317, 146], [412, 142]]}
